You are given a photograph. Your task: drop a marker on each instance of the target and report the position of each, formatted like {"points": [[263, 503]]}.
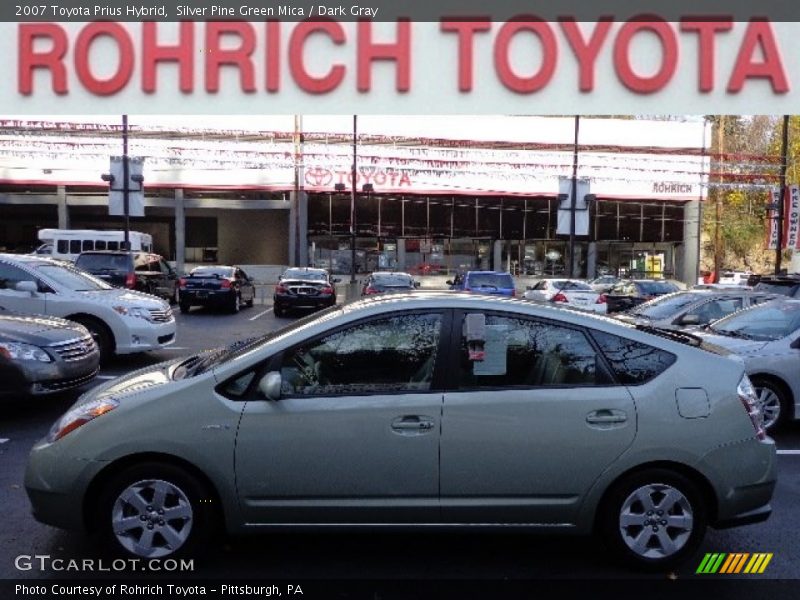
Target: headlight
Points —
{"points": [[134, 311], [80, 415], [15, 351]]}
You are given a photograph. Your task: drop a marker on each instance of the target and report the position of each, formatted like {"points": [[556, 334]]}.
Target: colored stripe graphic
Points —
{"points": [[723, 563]]}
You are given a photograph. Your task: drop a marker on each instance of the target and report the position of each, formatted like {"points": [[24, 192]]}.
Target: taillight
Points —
{"points": [[327, 290], [371, 290], [747, 394], [280, 289], [559, 297], [130, 281], [225, 284], [181, 283], [601, 299]]}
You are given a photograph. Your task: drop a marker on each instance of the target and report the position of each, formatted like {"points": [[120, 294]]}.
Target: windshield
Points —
{"points": [[212, 272], [563, 284], [72, 279], [495, 280], [766, 322], [303, 274], [103, 262], [656, 287], [392, 280], [203, 361], [666, 306]]}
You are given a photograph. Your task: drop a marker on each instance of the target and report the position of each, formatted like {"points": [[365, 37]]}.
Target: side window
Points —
{"points": [[62, 246], [140, 263], [74, 246], [87, 245], [524, 352], [542, 285], [10, 276], [162, 264], [716, 309], [99, 244], [633, 362], [393, 354], [113, 245]]}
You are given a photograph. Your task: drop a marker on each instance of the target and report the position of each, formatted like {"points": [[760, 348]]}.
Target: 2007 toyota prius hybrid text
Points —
{"points": [[426, 410]]}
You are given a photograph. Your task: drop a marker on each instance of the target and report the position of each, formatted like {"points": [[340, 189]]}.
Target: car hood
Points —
{"points": [[38, 330], [132, 383], [117, 296], [737, 345]]}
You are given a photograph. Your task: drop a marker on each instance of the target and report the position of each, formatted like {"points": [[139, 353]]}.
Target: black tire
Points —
{"points": [[280, 312], [235, 303], [173, 300], [185, 307], [651, 484], [182, 490], [777, 413], [101, 333], [249, 303]]}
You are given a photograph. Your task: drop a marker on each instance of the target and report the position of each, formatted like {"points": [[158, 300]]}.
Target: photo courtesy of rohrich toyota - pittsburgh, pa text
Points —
{"points": [[388, 300]]}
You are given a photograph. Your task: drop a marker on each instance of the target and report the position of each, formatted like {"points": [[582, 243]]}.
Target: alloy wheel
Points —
{"points": [[152, 518], [770, 404], [656, 521]]}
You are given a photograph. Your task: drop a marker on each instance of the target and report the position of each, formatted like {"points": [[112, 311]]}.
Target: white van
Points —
{"points": [[67, 244]]}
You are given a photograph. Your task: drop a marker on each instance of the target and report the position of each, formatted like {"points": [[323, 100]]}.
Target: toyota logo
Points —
{"points": [[318, 177]]}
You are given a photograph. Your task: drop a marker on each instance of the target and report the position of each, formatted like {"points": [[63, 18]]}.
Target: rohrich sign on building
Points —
{"points": [[641, 65]]}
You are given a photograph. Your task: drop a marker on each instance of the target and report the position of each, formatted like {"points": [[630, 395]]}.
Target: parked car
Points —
{"points": [[734, 277], [767, 337], [304, 288], [141, 271], [494, 283], [567, 292], [604, 283], [388, 282], [632, 292], [44, 355], [428, 408], [121, 321], [217, 286], [693, 309], [785, 285]]}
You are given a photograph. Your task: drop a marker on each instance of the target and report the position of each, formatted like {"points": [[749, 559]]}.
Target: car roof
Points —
{"points": [[32, 260], [488, 273], [306, 269]]}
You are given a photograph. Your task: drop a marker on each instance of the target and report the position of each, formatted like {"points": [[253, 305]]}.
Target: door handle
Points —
{"points": [[606, 417], [412, 424]]}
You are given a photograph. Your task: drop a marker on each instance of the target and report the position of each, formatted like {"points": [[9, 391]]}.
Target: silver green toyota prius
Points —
{"points": [[432, 410]]}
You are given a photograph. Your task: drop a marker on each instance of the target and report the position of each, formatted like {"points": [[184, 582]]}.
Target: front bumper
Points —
{"points": [[34, 378], [142, 336]]}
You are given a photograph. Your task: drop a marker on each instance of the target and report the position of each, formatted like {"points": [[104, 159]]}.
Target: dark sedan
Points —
{"points": [[633, 292], [218, 286], [388, 282], [44, 355], [304, 288]]}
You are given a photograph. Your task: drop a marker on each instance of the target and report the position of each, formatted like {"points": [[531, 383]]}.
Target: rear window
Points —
{"points": [[496, 280], [666, 306], [102, 262], [304, 274], [656, 287], [392, 280], [212, 272], [563, 284], [784, 288], [633, 362]]}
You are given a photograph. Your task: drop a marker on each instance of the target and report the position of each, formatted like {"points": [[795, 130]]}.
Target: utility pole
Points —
{"points": [[298, 124], [125, 182], [573, 201], [718, 201], [353, 206], [781, 203]]}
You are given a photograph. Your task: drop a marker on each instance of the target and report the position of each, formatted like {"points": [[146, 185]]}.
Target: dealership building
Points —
{"points": [[433, 194]]}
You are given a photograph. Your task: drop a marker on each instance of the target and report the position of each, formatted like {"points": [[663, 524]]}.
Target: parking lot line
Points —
{"points": [[175, 348], [4, 440], [261, 314], [788, 451]]}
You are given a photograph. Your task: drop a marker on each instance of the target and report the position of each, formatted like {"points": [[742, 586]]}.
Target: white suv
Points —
{"points": [[121, 321]]}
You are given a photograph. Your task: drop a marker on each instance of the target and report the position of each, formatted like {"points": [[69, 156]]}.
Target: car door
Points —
{"points": [[16, 300], [168, 278], [354, 437], [528, 429]]}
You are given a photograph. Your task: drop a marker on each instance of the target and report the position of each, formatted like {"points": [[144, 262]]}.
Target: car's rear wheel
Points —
{"points": [[235, 303], [185, 306], [279, 311], [101, 333], [654, 519], [156, 510], [773, 402]]}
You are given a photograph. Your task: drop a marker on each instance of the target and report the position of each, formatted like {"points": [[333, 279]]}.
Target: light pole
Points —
{"points": [[782, 200], [573, 201]]}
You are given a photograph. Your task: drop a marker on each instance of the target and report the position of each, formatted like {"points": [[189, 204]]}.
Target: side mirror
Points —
{"points": [[270, 385], [27, 286], [690, 319]]}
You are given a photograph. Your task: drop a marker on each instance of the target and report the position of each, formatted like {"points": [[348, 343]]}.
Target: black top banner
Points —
{"points": [[392, 10]]}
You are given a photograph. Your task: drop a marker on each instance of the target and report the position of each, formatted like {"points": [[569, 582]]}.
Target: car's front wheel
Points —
{"points": [[156, 510], [653, 519]]}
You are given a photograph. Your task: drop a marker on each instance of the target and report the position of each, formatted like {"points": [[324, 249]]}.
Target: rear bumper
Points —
{"points": [[321, 301], [206, 298]]}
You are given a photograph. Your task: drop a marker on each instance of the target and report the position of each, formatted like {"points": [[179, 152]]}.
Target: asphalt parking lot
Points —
{"points": [[348, 555]]}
